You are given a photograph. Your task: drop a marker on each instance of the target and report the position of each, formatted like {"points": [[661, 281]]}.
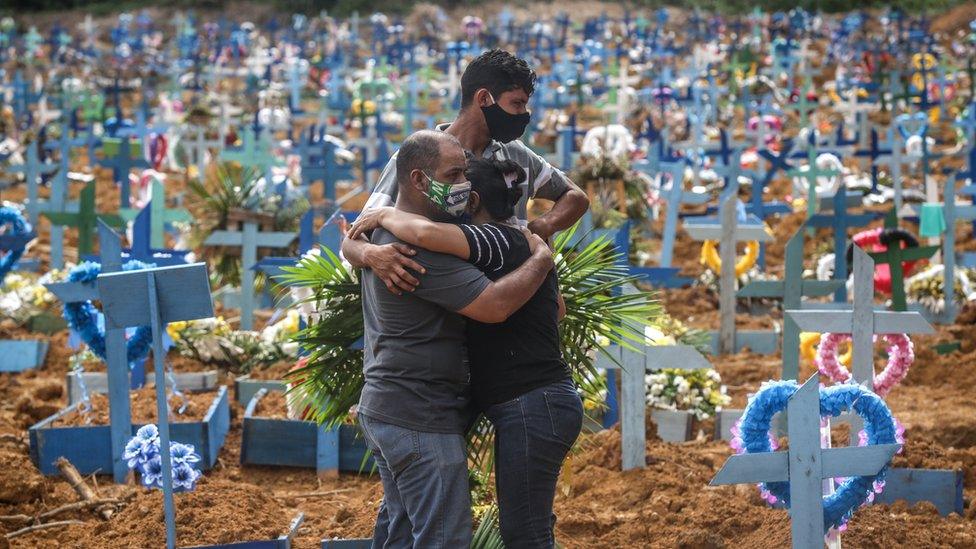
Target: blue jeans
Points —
{"points": [[533, 434], [426, 500]]}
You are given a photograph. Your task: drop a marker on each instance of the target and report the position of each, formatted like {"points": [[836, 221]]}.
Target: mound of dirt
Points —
{"points": [[217, 511]]}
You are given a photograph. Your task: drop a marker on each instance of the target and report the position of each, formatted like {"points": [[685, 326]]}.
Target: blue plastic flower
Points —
{"points": [[152, 472], [182, 453], [184, 477], [142, 447]]}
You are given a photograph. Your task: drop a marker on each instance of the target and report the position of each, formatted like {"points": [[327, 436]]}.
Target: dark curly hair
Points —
{"points": [[499, 72], [488, 179]]}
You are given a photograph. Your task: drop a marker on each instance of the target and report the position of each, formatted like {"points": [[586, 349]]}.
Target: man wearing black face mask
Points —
{"points": [[495, 90]]}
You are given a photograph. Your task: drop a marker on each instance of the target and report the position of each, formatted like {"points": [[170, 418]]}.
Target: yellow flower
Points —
{"points": [[174, 329]]}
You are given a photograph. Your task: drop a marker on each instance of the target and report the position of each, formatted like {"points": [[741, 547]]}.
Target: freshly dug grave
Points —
{"points": [[217, 511], [273, 405], [143, 402], [669, 504]]}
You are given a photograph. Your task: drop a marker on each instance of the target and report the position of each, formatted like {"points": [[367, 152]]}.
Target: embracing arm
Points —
{"points": [[506, 295], [389, 261], [414, 229], [568, 209]]}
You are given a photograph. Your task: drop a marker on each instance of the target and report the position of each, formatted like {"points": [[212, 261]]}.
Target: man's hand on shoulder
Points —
{"points": [[390, 262], [537, 245]]}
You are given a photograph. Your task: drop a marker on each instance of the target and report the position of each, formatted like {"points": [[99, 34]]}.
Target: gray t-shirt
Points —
{"points": [[416, 375], [542, 179]]}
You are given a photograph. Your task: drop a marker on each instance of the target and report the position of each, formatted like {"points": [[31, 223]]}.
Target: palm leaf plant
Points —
{"points": [[234, 187]]}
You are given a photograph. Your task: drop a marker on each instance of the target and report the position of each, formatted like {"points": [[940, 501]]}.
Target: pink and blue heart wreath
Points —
{"points": [[82, 316], [751, 435], [18, 227]]}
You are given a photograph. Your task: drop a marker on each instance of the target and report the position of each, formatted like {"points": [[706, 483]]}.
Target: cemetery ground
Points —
{"points": [[668, 504]]}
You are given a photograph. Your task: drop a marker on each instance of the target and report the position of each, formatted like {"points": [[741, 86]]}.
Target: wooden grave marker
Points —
{"points": [[85, 219], [119, 384], [805, 465], [840, 221], [673, 426], [157, 297], [158, 214], [249, 238], [863, 322], [728, 231]]}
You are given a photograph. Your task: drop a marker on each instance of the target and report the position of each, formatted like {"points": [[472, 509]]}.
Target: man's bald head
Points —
{"points": [[424, 155], [421, 151]]}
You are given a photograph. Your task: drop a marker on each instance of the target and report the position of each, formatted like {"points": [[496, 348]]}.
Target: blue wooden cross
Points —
{"points": [[953, 213], [873, 154], [119, 383], [840, 221], [142, 247], [676, 196], [728, 230], [248, 239], [322, 164], [157, 297], [862, 322], [128, 156], [805, 465], [33, 169]]}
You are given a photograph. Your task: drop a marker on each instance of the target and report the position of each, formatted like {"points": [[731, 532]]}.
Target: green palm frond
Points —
{"points": [[488, 535], [332, 379], [592, 280]]}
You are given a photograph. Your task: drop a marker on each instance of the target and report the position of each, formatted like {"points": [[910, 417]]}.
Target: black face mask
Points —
{"points": [[504, 126]]}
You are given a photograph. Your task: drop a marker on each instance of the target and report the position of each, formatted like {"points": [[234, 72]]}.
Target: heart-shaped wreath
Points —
{"points": [[751, 435], [18, 227], [82, 316], [901, 354]]}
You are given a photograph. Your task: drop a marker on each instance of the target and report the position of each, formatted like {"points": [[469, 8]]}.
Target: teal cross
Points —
{"points": [[811, 174], [159, 214], [893, 257], [85, 220], [255, 152], [790, 291]]}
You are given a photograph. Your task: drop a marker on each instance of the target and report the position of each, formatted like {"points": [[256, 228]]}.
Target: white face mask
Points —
{"points": [[453, 199]]}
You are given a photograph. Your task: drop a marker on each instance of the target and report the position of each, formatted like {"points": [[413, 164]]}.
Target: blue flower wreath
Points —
{"points": [[82, 316], [879, 426], [19, 226]]}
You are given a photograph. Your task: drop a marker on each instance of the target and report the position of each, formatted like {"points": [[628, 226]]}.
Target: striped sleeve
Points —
{"points": [[489, 246], [385, 190]]}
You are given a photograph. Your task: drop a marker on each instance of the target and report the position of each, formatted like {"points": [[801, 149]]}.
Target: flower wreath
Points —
{"points": [[710, 257], [901, 354], [19, 226], [82, 316], [751, 435]]}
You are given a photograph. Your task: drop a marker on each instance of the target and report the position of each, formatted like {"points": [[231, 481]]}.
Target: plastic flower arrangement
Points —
{"points": [[926, 288], [697, 391], [142, 455], [23, 296], [213, 341]]}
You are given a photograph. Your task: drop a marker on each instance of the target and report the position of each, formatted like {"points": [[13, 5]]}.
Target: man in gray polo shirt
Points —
{"points": [[413, 408], [495, 90]]}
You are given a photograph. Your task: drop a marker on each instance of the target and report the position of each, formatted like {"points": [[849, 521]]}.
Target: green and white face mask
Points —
{"points": [[453, 199]]}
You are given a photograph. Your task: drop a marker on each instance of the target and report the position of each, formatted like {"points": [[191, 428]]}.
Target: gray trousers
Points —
{"points": [[426, 500]]}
